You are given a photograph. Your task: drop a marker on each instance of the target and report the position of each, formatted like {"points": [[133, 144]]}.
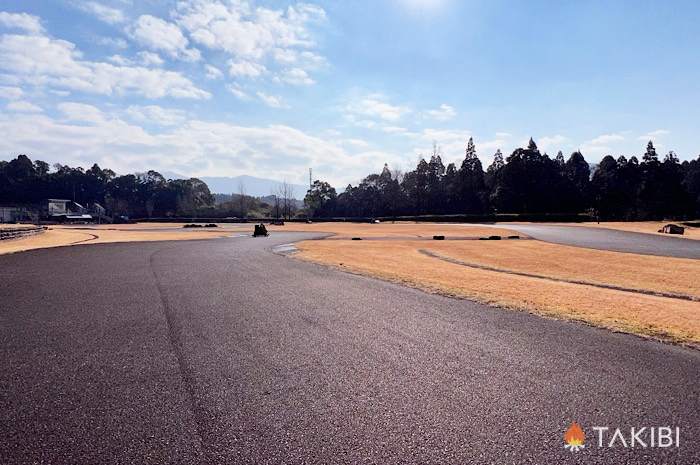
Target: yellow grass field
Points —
{"points": [[661, 317], [58, 236], [342, 230], [644, 272], [650, 227], [64, 235]]}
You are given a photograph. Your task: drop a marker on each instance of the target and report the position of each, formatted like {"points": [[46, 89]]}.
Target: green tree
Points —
{"points": [[472, 185], [321, 199]]}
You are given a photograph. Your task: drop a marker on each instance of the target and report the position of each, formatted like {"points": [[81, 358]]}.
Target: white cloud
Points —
{"points": [[26, 22], [102, 12], [197, 147], [244, 31], [113, 42], [120, 60], [57, 63], [654, 135], [23, 106], [443, 113], [158, 34], [236, 90], [394, 129], [503, 135], [451, 143], [81, 112], [252, 35], [364, 123], [213, 72], [11, 93], [270, 100], [550, 143], [285, 56], [295, 76], [595, 150], [606, 139], [374, 106], [489, 147], [157, 115], [150, 58], [356, 142], [305, 59], [659, 132], [246, 69], [599, 146]]}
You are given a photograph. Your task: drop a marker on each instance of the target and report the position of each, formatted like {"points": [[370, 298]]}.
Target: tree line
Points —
{"points": [[27, 182], [526, 182], [24, 182]]}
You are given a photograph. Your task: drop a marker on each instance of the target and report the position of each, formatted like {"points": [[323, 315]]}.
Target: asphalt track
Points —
{"points": [[610, 239], [220, 351]]}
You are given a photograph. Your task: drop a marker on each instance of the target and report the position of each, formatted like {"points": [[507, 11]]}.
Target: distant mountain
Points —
{"points": [[256, 187]]}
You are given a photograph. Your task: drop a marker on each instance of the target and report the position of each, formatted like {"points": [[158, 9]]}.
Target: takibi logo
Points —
{"points": [[632, 437], [574, 438]]}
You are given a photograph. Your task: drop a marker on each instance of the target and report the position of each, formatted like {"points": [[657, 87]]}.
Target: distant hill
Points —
{"points": [[256, 187], [268, 199]]}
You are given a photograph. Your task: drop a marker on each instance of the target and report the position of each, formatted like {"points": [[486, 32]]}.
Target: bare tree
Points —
{"points": [[278, 195], [284, 205], [287, 199], [242, 200]]}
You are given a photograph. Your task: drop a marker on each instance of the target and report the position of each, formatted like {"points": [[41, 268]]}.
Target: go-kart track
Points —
{"points": [[222, 351]]}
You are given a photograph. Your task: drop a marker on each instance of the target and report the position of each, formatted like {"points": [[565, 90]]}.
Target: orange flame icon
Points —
{"points": [[574, 437]]}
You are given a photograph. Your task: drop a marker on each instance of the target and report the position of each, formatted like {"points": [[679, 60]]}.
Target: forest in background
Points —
{"points": [[525, 182]]}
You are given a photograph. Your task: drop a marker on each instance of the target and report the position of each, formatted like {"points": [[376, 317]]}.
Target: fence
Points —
{"points": [[17, 233]]}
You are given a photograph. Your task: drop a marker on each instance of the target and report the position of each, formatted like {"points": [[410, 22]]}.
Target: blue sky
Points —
{"points": [[271, 88]]}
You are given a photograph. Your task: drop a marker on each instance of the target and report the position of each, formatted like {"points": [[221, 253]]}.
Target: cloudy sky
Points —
{"points": [[271, 88]]}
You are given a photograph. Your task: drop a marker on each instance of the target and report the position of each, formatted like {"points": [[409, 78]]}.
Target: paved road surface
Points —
{"points": [[610, 239], [219, 351]]}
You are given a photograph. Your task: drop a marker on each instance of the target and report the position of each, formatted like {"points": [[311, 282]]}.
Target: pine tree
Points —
{"points": [[470, 152], [472, 185], [497, 162], [650, 155], [559, 160]]}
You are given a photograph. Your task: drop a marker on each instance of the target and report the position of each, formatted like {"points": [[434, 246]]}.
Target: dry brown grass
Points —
{"points": [[646, 272], [649, 227], [395, 230], [401, 261], [58, 236], [51, 238], [95, 234]]}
